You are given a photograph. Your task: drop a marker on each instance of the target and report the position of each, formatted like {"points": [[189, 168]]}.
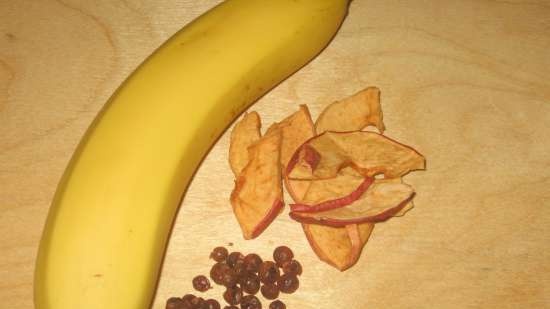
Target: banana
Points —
{"points": [[109, 222]]}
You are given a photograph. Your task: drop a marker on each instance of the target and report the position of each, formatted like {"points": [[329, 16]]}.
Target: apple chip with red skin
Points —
{"points": [[244, 134], [352, 113], [339, 247], [258, 197], [382, 200], [369, 153], [326, 194], [296, 129]]}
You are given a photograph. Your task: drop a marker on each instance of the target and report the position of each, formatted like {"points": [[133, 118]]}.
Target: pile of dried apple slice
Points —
{"points": [[342, 179]]}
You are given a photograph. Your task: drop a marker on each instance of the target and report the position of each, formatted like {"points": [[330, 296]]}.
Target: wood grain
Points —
{"points": [[465, 82]]}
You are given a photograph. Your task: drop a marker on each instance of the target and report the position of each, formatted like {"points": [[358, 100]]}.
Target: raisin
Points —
{"points": [[269, 272], [288, 283], [277, 305], [219, 254], [201, 283], [282, 254], [233, 295]]}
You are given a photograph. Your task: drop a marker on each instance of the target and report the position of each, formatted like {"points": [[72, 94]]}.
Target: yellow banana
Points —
{"points": [[108, 225]]}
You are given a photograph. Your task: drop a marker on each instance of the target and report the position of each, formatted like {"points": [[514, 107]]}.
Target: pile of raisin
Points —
{"points": [[243, 277]]}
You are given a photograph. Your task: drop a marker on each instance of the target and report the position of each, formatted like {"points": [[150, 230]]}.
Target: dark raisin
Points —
{"points": [[292, 268], [277, 305], [251, 284], [187, 300], [229, 278], [233, 295], [288, 283], [270, 291], [251, 302], [252, 262], [240, 270], [233, 258], [201, 283], [282, 254], [217, 272], [197, 303], [269, 272], [230, 307], [219, 254], [188, 297], [174, 303], [212, 304]]}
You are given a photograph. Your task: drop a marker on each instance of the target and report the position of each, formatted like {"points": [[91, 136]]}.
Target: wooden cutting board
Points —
{"points": [[465, 82]]}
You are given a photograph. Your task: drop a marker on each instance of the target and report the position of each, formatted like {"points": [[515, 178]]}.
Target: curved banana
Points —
{"points": [[109, 222]]}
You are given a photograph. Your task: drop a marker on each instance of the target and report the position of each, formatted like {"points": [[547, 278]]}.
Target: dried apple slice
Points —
{"points": [[368, 152], [355, 234], [296, 129], [343, 184], [382, 200], [258, 197], [339, 247], [353, 113], [326, 194], [408, 206], [244, 134]]}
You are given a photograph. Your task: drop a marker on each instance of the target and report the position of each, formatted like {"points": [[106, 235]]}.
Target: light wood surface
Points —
{"points": [[465, 82]]}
